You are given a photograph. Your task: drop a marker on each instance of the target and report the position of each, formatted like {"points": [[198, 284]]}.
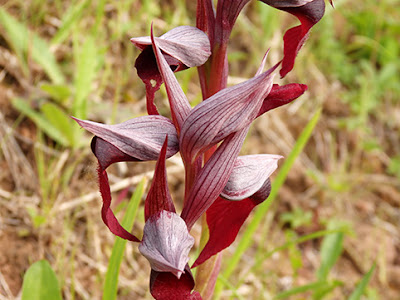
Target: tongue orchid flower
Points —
{"points": [[219, 183]]}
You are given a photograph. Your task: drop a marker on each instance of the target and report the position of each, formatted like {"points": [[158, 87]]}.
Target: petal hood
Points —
{"points": [[141, 138], [249, 175], [166, 243]]}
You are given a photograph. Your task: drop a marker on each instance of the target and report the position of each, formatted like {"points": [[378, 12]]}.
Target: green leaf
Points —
{"points": [[294, 252], [22, 40], [361, 287], [247, 238], [60, 120], [322, 291], [40, 283], [58, 92], [111, 281], [331, 248], [40, 121], [86, 62], [302, 289], [71, 17]]}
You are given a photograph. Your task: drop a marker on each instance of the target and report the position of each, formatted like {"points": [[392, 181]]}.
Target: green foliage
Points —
{"points": [[331, 248], [111, 280], [40, 283], [361, 287], [294, 252], [25, 42], [86, 61], [70, 19], [50, 127], [394, 166], [297, 218]]}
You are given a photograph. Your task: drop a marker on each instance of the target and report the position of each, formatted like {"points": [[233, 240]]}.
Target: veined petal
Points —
{"points": [[108, 154], [249, 174], [281, 95], [182, 47], [286, 3], [140, 138], [166, 243], [212, 178], [227, 13], [205, 18], [225, 112], [165, 286], [159, 197], [180, 107], [187, 44], [309, 13]]}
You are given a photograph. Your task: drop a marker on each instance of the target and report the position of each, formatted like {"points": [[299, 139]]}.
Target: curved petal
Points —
{"points": [[165, 286], [107, 214], [180, 107], [108, 154], [249, 174], [224, 219], [281, 95], [166, 243], [225, 112], [227, 13], [187, 44], [212, 178], [182, 47], [286, 3], [140, 138], [147, 70], [205, 18], [309, 13], [159, 197]]}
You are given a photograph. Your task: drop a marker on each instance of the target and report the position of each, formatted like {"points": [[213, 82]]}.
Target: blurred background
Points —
{"points": [[337, 214]]}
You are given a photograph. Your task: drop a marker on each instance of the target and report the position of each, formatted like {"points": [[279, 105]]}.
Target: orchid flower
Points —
{"points": [[183, 47], [218, 182]]}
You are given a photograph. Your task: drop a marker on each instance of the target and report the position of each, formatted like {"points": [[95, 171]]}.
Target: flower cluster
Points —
{"points": [[218, 182]]}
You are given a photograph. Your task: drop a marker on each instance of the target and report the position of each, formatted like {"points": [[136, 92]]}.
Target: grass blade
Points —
{"points": [[40, 283], [331, 248], [70, 18], [60, 120], [40, 121], [361, 287], [111, 281], [302, 289], [86, 62], [22, 41], [247, 239]]}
